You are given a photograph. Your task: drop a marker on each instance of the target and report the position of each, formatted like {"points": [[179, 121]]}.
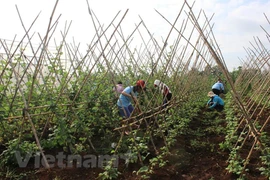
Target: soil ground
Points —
{"points": [[185, 163]]}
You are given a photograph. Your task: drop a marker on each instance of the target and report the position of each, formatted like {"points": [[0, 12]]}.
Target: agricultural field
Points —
{"points": [[59, 118]]}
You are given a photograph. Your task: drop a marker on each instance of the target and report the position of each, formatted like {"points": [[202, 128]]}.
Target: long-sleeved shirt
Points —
{"points": [[163, 88], [216, 101], [218, 85]]}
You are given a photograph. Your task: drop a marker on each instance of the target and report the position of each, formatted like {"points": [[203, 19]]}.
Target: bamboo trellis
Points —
{"points": [[193, 50]]}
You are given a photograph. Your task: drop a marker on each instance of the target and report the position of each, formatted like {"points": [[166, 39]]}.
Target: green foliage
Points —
{"points": [[235, 73], [109, 171], [144, 172], [8, 158], [157, 162], [232, 122], [235, 162], [75, 110], [10, 173], [265, 158]]}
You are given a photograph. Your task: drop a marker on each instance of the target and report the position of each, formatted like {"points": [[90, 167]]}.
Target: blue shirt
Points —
{"points": [[218, 85], [125, 101], [216, 101]]}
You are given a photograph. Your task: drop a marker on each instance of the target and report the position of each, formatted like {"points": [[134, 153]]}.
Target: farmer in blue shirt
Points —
{"points": [[218, 87], [215, 102], [128, 94]]}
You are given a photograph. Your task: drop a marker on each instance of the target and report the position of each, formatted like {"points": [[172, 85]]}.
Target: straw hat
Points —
{"points": [[210, 94]]}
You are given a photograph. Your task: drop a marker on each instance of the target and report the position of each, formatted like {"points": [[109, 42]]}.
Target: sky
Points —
{"points": [[236, 22]]}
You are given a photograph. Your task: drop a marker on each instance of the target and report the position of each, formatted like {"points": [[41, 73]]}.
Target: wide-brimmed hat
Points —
{"points": [[211, 94]]}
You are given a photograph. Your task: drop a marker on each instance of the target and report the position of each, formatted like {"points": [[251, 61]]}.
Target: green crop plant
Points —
{"points": [[265, 156], [109, 172], [25, 149], [231, 123], [235, 162]]}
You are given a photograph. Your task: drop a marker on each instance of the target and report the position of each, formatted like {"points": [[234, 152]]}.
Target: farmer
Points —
{"points": [[215, 102], [127, 95], [118, 88], [218, 87], [165, 90]]}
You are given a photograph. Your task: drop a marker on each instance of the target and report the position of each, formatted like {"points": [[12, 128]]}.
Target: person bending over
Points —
{"points": [[218, 87], [127, 95], [165, 91], [215, 102]]}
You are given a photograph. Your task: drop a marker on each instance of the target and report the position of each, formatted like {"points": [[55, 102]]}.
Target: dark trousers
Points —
{"points": [[216, 91], [166, 99], [218, 107], [125, 112]]}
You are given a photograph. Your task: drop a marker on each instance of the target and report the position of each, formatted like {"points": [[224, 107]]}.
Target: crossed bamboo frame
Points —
{"points": [[194, 46]]}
